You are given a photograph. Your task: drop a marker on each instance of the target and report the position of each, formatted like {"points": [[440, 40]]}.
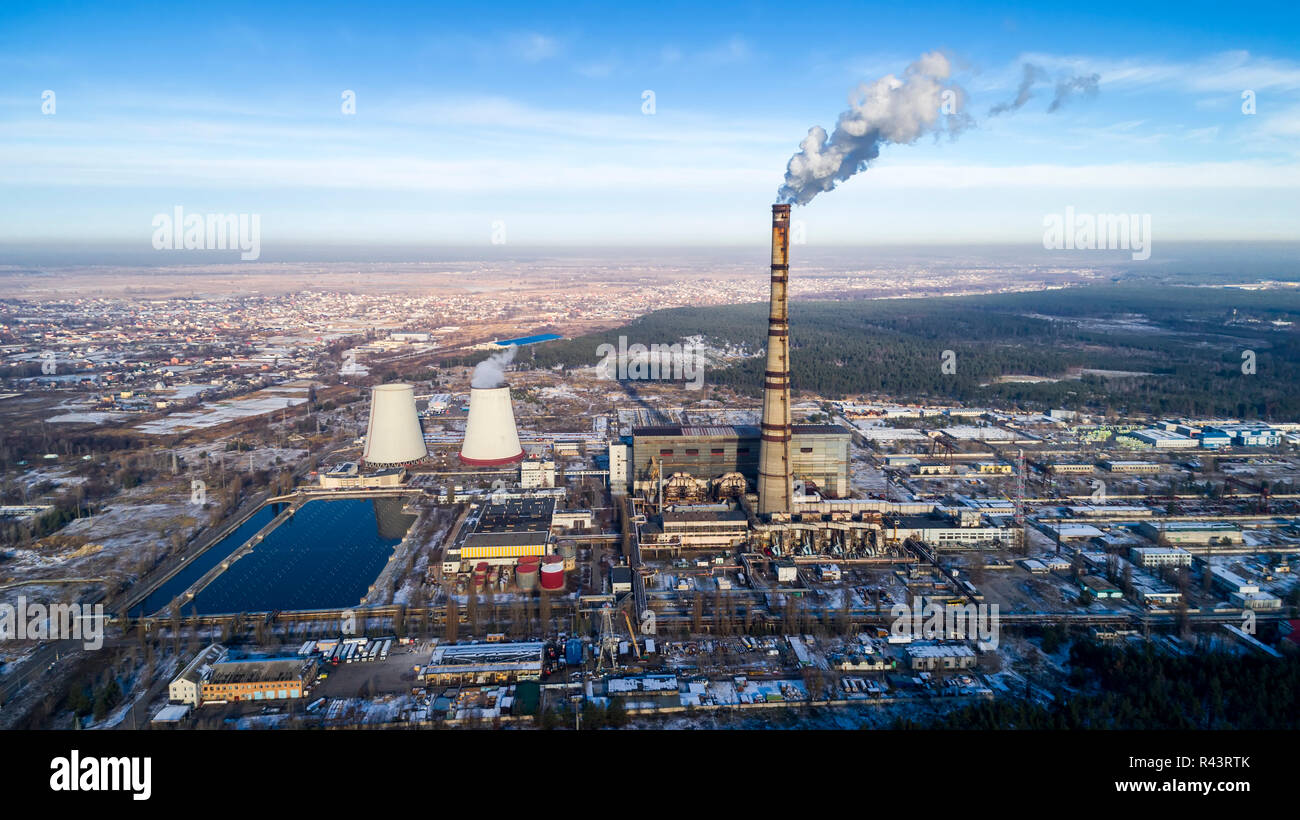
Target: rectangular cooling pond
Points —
{"points": [[163, 596]]}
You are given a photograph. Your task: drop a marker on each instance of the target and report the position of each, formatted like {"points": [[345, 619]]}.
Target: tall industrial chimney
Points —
{"points": [[774, 477]]}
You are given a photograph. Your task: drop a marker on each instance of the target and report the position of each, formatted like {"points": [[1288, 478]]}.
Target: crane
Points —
{"points": [[655, 476], [631, 633]]}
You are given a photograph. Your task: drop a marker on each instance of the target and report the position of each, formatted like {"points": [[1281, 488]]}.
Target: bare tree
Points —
{"points": [[452, 631]]}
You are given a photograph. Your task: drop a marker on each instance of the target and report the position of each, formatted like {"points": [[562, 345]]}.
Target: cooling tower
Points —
{"points": [[393, 436], [490, 435], [774, 477]]}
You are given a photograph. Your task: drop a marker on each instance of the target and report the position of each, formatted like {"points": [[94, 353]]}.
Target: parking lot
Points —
{"points": [[396, 675]]}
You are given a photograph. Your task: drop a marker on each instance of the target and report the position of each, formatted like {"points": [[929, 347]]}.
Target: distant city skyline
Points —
{"points": [[526, 124]]}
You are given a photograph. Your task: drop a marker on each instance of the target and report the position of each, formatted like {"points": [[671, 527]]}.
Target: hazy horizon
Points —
{"points": [[116, 254]]}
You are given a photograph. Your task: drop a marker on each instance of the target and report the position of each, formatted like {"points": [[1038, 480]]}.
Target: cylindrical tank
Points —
{"points": [[568, 550], [526, 576], [552, 575]]}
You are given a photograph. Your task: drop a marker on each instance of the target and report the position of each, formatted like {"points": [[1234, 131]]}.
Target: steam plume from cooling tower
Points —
{"points": [[491, 372], [890, 110]]}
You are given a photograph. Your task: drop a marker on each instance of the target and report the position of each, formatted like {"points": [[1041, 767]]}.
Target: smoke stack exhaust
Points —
{"points": [[774, 476]]}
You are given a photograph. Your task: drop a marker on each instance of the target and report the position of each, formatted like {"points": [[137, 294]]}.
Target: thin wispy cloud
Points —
{"points": [[733, 50], [534, 47], [1228, 72], [548, 109]]}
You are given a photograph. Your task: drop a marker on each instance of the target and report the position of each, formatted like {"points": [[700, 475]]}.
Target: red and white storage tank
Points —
{"points": [[552, 574]]}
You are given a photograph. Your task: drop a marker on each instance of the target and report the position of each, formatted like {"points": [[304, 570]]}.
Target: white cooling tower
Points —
{"points": [[393, 436], [490, 435]]}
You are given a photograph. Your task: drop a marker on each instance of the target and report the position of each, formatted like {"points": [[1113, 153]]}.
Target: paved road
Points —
{"points": [[35, 666]]}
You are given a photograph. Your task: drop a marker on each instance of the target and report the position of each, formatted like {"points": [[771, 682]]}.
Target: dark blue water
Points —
{"points": [[325, 556], [163, 595]]}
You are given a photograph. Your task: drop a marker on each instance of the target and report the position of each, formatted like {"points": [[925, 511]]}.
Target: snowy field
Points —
{"points": [[222, 412]]}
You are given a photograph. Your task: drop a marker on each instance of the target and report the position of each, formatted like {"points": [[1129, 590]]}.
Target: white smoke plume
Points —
{"points": [[491, 372], [890, 110]]}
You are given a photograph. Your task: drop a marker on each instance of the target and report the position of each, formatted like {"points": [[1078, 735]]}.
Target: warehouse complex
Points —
{"points": [[217, 676], [504, 530], [485, 663]]}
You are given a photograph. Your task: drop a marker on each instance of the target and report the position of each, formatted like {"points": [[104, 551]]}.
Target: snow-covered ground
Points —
{"points": [[221, 413], [94, 417]]}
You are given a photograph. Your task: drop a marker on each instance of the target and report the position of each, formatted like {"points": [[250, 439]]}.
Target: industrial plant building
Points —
{"points": [[1248, 435], [1157, 595], [1099, 587], [932, 468], [1161, 557], [618, 466], [348, 476], [1133, 467], [1255, 600], [940, 530], [503, 531], [695, 528], [535, 473], [620, 580], [819, 454], [1071, 468], [941, 656], [1229, 582], [481, 663], [215, 677], [1219, 434], [1213, 439], [1164, 439], [187, 687], [1109, 511], [1192, 532]]}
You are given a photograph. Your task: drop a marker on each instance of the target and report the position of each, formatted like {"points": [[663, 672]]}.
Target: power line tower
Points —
{"points": [[608, 640]]}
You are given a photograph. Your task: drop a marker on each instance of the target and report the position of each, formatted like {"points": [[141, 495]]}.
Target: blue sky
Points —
{"points": [[531, 115]]}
